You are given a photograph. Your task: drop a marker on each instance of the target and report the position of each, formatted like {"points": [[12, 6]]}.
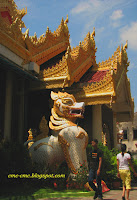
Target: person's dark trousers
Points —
{"points": [[92, 176]]}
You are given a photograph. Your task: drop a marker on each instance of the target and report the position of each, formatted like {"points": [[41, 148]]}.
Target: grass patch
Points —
{"points": [[29, 193], [65, 193]]}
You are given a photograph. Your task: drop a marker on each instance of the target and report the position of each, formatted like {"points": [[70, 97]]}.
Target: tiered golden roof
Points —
{"points": [[49, 44], [11, 28], [73, 64], [107, 90], [30, 48]]}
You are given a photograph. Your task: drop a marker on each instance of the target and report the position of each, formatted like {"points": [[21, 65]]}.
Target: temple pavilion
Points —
{"points": [[31, 67]]}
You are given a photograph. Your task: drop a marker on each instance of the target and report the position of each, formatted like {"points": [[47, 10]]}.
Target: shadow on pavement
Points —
{"points": [[109, 199]]}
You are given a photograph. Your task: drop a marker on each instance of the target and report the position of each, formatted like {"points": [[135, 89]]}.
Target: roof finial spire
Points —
{"points": [[62, 21], [68, 52], [47, 31], [126, 45], [27, 33], [80, 44], [121, 47], [89, 34], [67, 20], [93, 33]]}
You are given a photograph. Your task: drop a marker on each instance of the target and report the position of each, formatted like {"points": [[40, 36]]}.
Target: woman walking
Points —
{"points": [[123, 163]]}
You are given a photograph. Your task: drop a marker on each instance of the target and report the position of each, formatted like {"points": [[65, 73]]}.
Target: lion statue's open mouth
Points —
{"points": [[65, 110]]}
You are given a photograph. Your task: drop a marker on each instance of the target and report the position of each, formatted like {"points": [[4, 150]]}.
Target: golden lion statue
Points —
{"points": [[68, 141]]}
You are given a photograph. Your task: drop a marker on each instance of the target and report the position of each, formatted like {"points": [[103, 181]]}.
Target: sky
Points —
{"points": [[115, 22]]}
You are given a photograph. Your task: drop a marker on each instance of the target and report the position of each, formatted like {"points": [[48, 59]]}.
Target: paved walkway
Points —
{"points": [[111, 195], [116, 194]]}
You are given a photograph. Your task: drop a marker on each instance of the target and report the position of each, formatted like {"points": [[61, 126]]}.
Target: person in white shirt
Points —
{"points": [[123, 162]]}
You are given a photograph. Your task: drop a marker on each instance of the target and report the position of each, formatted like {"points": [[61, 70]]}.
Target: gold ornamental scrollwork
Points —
{"points": [[65, 147]]}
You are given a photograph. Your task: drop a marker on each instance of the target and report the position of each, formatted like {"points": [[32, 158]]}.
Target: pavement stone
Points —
{"points": [[111, 195]]}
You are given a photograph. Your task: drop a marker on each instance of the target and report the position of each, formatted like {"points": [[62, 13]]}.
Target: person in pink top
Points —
{"points": [[123, 163]]}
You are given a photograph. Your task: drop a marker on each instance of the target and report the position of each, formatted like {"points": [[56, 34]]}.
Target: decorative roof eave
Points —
{"points": [[119, 56], [117, 65], [75, 62], [45, 55], [57, 82], [58, 73], [107, 65], [12, 8], [81, 58], [49, 84], [15, 47], [95, 93], [13, 11], [11, 25], [37, 50], [97, 98], [119, 71], [49, 44]]}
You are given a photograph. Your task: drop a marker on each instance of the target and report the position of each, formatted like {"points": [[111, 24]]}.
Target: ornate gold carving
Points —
{"points": [[94, 89], [13, 30], [74, 64], [43, 126], [106, 65], [81, 136], [59, 70], [104, 138], [58, 123], [34, 49], [44, 129], [106, 90], [63, 141], [62, 116], [30, 137], [65, 147], [86, 140], [46, 44]]}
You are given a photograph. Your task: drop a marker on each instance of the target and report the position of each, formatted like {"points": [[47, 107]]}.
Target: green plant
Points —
{"points": [[81, 176], [79, 179], [61, 183], [134, 162]]}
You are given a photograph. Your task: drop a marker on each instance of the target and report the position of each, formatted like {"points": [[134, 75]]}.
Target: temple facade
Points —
{"points": [[31, 67]]}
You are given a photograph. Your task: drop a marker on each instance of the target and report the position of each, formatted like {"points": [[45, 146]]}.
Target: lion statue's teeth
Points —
{"points": [[65, 110]]}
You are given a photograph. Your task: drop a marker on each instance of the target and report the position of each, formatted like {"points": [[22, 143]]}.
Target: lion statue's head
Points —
{"points": [[65, 110]]}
